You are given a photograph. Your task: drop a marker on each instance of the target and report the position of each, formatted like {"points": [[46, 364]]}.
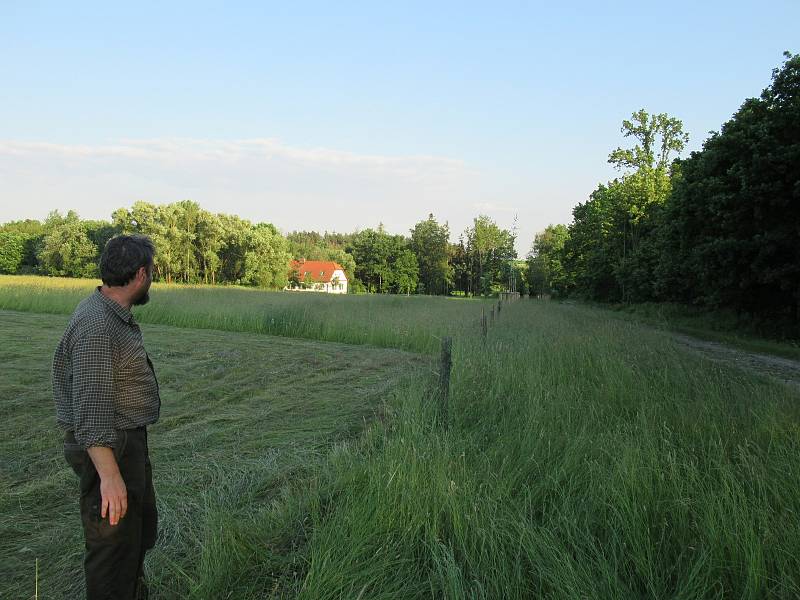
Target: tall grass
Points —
{"points": [[410, 323], [585, 458]]}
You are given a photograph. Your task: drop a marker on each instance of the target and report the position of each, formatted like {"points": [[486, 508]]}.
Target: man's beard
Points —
{"points": [[142, 299]]}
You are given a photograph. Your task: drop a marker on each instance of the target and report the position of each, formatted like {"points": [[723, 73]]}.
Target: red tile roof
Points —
{"points": [[319, 271]]}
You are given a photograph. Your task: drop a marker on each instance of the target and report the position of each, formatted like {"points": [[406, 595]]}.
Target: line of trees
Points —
{"points": [[720, 229], [197, 246]]}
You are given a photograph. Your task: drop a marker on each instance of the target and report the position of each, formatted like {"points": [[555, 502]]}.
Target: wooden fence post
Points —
{"points": [[484, 325], [492, 313], [444, 377]]}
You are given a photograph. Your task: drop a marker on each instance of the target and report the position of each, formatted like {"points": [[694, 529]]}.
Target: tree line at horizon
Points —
{"points": [[194, 245], [717, 230]]}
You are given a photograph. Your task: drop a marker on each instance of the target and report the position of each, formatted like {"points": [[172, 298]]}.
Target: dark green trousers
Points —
{"points": [[114, 559]]}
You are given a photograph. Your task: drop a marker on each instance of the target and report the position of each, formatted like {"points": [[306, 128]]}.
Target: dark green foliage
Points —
{"points": [[608, 256], [267, 258], [406, 272], [66, 250], [521, 277], [719, 230], [376, 254], [33, 234], [733, 222], [431, 244], [12, 251], [461, 265], [488, 257], [194, 245], [593, 249], [545, 273], [99, 232]]}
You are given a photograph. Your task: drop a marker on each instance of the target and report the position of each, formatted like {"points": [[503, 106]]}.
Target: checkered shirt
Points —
{"points": [[103, 379]]}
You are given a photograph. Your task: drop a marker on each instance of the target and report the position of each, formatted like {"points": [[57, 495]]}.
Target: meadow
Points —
{"points": [[582, 456], [244, 418], [413, 323]]}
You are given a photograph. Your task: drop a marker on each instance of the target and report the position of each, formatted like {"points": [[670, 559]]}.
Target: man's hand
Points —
{"points": [[114, 498], [113, 493]]}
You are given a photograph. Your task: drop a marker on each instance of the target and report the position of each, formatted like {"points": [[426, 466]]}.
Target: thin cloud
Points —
{"points": [[176, 151], [260, 179]]}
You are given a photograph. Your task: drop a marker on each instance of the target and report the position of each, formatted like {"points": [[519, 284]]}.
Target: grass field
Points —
{"points": [[412, 323], [244, 418], [584, 456]]}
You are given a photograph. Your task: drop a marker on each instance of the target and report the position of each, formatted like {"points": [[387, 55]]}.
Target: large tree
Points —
{"points": [[31, 232], [209, 240], [235, 236], [12, 251], [431, 244], [491, 250], [153, 221], [374, 252], [545, 271], [646, 166], [406, 272], [266, 261], [460, 261], [66, 249], [609, 254], [732, 227]]}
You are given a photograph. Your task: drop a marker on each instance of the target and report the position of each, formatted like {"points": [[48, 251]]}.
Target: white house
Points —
{"points": [[317, 276]]}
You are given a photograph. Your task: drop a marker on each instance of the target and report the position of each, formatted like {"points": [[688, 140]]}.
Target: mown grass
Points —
{"points": [[412, 323], [245, 421], [584, 457]]}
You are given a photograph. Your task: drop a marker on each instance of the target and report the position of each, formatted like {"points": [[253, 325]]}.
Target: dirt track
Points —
{"points": [[783, 369]]}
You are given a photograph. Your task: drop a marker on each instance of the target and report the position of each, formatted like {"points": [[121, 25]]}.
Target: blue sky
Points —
{"points": [[344, 115]]}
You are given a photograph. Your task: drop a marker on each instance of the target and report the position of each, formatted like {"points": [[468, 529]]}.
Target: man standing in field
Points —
{"points": [[106, 394]]}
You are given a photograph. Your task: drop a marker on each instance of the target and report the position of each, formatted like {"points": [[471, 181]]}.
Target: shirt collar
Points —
{"points": [[123, 313]]}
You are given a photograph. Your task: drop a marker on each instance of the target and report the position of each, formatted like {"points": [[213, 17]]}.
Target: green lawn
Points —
{"points": [[245, 418]]}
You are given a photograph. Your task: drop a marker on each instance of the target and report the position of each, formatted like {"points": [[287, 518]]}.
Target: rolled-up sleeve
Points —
{"points": [[92, 391]]}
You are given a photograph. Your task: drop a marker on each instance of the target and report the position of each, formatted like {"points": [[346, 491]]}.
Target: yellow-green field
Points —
{"points": [[408, 322], [582, 456]]}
